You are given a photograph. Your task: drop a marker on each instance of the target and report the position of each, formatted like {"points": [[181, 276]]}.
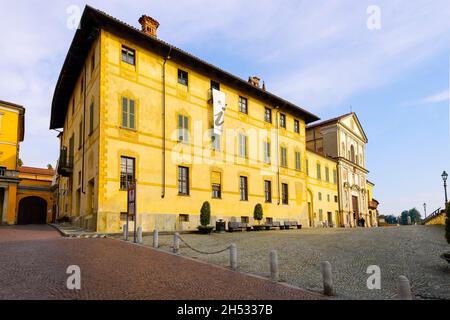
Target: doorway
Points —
{"points": [[330, 219], [355, 209], [32, 210]]}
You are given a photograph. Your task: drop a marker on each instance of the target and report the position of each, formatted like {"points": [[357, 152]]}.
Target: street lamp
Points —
{"points": [[444, 177], [425, 209]]}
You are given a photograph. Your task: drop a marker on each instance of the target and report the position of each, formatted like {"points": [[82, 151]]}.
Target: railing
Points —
{"points": [[433, 215], [65, 163]]}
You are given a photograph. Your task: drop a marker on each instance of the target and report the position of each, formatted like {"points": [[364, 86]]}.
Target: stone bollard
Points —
{"points": [[176, 243], [327, 275], [155, 239], [404, 289], [139, 235], [233, 257], [125, 232], [274, 275]]}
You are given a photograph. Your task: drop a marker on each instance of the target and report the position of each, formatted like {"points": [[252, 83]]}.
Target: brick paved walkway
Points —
{"points": [[34, 259]]}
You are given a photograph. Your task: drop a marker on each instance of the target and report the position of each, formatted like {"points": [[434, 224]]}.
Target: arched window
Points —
{"points": [[352, 153]]}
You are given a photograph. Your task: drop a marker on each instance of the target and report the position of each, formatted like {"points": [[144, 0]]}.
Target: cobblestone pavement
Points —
{"points": [[34, 260], [411, 251]]}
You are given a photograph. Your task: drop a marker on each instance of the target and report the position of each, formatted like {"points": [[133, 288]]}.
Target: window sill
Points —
{"points": [[128, 129], [184, 195]]}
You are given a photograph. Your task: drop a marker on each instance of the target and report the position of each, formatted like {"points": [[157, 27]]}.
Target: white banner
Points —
{"points": [[220, 106]]}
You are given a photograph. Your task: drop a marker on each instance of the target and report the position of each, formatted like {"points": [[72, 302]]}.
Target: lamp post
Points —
{"points": [[444, 177], [425, 209]]}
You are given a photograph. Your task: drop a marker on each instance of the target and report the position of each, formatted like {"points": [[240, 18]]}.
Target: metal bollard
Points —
{"points": [[274, 275], [139, 235], [155, 239], [125, 232], [233, 257], [404, 288], [176, 243], [327, 275]]}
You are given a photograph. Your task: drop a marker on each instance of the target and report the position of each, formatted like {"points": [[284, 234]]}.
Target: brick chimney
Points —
{"points": [[149, 25], [254, 81]]}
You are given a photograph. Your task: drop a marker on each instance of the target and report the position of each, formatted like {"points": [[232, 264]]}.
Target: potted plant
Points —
{"points": [[258, 215], [205, 219], [446, 255]]}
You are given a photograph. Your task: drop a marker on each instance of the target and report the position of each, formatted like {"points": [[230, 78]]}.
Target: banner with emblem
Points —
{"points": [[220, 106]]}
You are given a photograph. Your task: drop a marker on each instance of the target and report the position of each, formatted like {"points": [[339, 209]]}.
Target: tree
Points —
{"points": [[205, 214], [20, 162], [50, 167], [258, 213], [404, 218], [415, 216], [390, 219], [447, 222]]}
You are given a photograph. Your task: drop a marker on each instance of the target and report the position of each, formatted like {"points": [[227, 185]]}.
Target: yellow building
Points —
{"points": [[135, 108], [373, 206], [11, 134]]}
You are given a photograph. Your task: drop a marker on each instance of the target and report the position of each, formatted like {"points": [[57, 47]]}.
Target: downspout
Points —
{"points": [[84, 133], [339, 194], [278, 154], [163, 116]]}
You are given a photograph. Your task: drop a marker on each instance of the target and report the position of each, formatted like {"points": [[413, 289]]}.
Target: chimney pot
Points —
{"points": [[254, 81], [149, 25]]}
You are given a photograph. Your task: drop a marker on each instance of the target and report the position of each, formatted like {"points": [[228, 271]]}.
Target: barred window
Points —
{"points": [[126, 172], [243, 105], [243, 189], [268, 191], [296, 126], [284, 157], [282, 120], [284, 193], [183, 181]]}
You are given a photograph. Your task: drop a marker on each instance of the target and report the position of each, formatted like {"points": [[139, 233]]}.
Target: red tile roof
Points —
{"points": [[31, 170]]}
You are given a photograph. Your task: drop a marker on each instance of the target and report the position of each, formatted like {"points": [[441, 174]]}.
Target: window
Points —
{"points": [[268, 115], [245, 219], [184, 218], [283, 157], [215, 141], [307, 167], [320, 196], [71, 149], [336, 199], [334, 176], [319, 172], [284, 193], [320, 215], [269, 221], [282, 120], [328, 198], [268, 191], [215, 85], [128, 114], [243, 103], [298, 162], [183, 77], [80, 137], [242, 146], [352, 154], [91, 118], [82, 88], [126, 172], [183, 181], [183, 129], [266, 152], [79, 177], [216, 180], [296, 126], [128, 55], [243, 188], [327, 174]]}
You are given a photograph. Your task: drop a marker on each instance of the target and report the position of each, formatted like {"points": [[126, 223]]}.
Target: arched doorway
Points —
{"points": [[32, 210]]}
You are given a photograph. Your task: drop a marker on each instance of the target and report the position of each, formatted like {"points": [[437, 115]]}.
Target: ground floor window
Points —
{"points": [[245, 219], [127, 167], [184, 218], [284, 193], [268, 191], [243, 189], [183, 181]]}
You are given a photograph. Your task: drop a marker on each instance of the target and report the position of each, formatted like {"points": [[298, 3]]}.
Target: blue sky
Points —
{"points": [[318, 54]]}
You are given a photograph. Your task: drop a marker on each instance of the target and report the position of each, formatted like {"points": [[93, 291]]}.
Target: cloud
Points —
{"points": [[436, 98]]}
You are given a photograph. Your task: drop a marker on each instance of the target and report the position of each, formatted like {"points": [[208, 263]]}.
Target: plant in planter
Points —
{"points": [[446, 255], [205, 219], [258, 215]]}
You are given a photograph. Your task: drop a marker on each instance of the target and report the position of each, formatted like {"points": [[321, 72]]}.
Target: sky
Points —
{"points": [[389, 64]]}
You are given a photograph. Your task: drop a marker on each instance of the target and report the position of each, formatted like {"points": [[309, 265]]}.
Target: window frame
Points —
{"points": [[183, 77], [127, 115], [183, 181], [243, 145], [283, 120], [296, 126], [298, 161], [183, 128], [268, 115], [284, 194], [243, 105], [284, 160], [243, 188], [126, 173], [268, 191], [130, 55]]}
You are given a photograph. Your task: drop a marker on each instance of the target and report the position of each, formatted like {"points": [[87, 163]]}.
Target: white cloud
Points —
{"points": [[436, 98]]}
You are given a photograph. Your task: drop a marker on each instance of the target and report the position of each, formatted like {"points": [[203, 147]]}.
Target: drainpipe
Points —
{"points": [[339, 194], [278, 153], [163, 116], [84, 133]]}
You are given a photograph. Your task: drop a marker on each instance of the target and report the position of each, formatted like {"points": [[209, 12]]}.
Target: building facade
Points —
{"points": [[136, 109], [344, 140], [11, 134]]}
